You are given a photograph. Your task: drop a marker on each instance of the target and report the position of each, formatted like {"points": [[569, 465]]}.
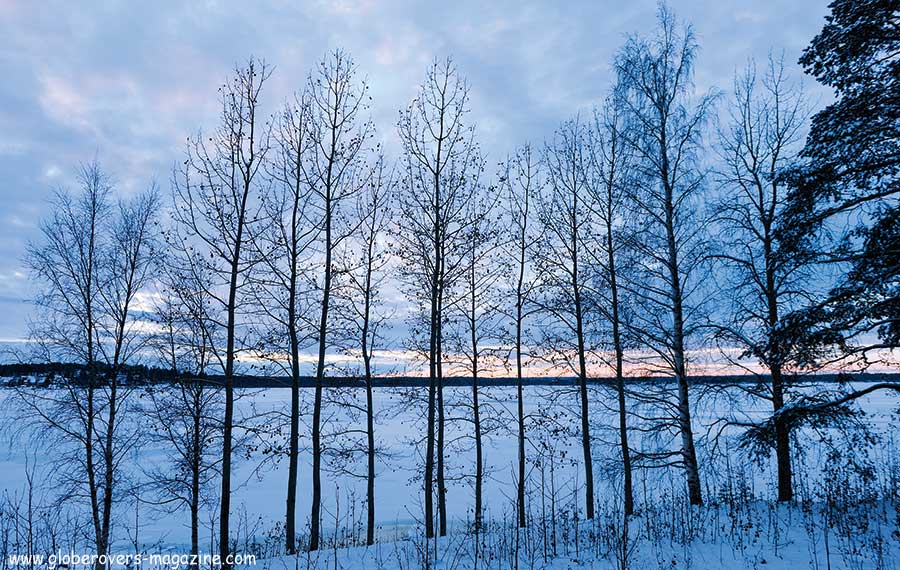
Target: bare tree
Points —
{"points": [[184, 415], [69, 263], [283, 284], [216, 195], [440, 160], [761, 138], [565, 274], [93, 262], [477, 310], [130, 262], [610, 172], [664, 132], [522, 181], [335, 172], [365, 318]]}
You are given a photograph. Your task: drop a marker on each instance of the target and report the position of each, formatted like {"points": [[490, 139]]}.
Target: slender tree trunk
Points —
{"points": [[429, 448], [196, 442], [92, 383], [293, 453], [315, 518], [627, 492], [317, 406], [520, 500], [479, 453], [89, 458], [434, 371], [582, 372], [476, 410], [688, 451], [370, 487], [370, 409], [520, 398], [109, 462], [442, 488], [585, 422], [433, 357], [225, 498], [439, 369], [429, 445]]}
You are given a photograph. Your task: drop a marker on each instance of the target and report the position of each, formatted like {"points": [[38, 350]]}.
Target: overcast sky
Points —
{"points": [[128, 81]]}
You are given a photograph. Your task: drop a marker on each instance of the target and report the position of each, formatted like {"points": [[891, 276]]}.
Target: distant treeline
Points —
{"points": [[48, 374]]}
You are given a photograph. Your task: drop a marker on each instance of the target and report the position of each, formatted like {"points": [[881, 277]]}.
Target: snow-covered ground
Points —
{"points": [[744, 530]]}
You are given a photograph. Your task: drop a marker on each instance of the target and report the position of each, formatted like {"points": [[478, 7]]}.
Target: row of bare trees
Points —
{"points": [[593, 251]]}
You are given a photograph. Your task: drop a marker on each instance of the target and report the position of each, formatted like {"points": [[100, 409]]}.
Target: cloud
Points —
{"points": [[129, 81]]}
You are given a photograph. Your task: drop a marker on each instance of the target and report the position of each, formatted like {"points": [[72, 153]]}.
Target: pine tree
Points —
{"points": [[850, 179]]}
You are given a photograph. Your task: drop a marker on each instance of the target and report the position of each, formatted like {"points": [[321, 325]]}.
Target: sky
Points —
{"points": [[127, 82]]}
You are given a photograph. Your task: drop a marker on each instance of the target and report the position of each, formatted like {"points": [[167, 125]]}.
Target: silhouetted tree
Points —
{"points": [[560, 260], [664, 133], [440, 159], [93, 261], [523, 184], [842, 208], [763, 283], [216, 195], [610, 173], [365, 317], [283, 283], [335, 171]]}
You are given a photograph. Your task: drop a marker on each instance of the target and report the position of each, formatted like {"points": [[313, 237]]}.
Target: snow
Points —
{"points": [[753, 534]]}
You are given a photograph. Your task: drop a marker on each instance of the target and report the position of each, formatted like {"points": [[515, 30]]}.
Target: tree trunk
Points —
{"points": [[782, 439], [521, 409], [476, 410], [109, 464], [293, 453], [89, 459], [92, 383], [442, 488], [433, 356], [688, 452], [585, 422], [195, 472], [315, 517], [370, 487], [582, 375], [782, 432], [317, 406], [429, 453], [627, 492], [370, 409], [225, 498]]}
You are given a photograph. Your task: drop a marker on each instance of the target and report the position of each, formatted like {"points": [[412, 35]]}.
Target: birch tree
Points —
{"points": [[610, 165], [665, 128]]}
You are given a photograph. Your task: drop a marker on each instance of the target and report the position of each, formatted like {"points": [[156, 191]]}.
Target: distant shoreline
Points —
{"points": [[54, 373]]}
